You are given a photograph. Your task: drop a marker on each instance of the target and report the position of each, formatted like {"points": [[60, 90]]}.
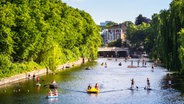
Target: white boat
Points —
{"points": [[38, 84], [53, 93], [52, 96]]}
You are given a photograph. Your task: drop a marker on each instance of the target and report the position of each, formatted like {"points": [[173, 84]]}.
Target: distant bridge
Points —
{"points": [[112, 52]]}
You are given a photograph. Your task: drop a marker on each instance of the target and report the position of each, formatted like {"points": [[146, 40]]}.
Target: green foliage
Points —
{"points": [[5, 62], [117, 43], [7, 68], [160, 39], [47, 32], [181, 49], [110, 24], [7, 21], [140, 19], [137, 35], [167, 45]]}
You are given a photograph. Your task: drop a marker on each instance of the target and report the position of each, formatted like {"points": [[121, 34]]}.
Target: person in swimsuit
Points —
{"points": [[148, 83], [132, 83]]}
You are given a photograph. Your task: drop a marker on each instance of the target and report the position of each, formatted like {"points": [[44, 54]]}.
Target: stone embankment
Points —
{"points": [[37, 72]]}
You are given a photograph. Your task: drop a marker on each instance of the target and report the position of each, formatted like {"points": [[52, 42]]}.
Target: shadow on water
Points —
{"points": [[113, 84], [75, 90], [99, 92], [177, 82], [111, 91]]}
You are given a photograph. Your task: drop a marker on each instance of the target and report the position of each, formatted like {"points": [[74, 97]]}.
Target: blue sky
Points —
{"points": [[119, 10]]}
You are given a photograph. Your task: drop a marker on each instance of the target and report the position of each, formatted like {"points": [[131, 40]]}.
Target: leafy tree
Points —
{"points": [[46, 32], [167, 43], [140, 19], [117, 43], [7, 21], [137, 34], [181, 49], [110, 24]]}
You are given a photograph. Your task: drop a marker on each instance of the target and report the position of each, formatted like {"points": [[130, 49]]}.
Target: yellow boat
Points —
{"points": [[93, 90]]}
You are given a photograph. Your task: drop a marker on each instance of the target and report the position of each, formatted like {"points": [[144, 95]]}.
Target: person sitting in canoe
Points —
{"points": [[55, 92], [50, 93], [89, 87], [96, 86], [53, 82], [53, 85]]}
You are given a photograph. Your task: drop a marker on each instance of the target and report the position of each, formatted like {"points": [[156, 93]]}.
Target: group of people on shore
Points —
{"points": [[29, 76]]}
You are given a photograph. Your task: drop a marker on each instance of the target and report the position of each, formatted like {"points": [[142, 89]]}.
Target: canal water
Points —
{"points": [[114, 82]]}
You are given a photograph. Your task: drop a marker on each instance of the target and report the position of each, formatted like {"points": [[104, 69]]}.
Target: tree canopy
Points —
{"points": [[46, 32], [168, 32], [140, 19], [137, 35], [163, 36]]}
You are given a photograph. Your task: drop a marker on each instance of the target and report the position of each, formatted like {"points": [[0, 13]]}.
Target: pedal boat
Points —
{"points": [[93, 90]]}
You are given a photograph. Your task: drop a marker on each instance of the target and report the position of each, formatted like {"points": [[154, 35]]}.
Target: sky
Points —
{"points": [[119, 10]]}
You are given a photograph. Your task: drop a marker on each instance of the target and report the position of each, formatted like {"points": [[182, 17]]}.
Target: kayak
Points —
{"points": [[93, 90]]}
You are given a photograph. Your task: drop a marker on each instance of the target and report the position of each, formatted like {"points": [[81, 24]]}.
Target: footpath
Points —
{"points": [[37, 72]]}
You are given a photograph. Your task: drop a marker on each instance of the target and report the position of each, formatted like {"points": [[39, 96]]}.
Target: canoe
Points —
{"points": [[93, 90], [52, 96], [38, 84]]}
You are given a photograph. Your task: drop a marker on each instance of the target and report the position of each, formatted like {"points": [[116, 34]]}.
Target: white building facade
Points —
{"points": [[113, 33]]}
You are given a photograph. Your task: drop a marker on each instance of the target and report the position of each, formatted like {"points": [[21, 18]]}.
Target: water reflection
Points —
{"points": [[52, 100], [114, 83], [93, 94], [38, 89]]}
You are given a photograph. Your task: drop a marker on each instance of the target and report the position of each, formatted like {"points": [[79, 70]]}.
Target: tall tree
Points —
{"points": [[46, 31], [140, 19]]}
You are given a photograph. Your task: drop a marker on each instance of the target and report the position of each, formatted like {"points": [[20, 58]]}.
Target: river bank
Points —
{"points": [[39, 72]]}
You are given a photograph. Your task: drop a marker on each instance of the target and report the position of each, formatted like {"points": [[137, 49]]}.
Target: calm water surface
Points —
{"points": [[113, 81]]}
